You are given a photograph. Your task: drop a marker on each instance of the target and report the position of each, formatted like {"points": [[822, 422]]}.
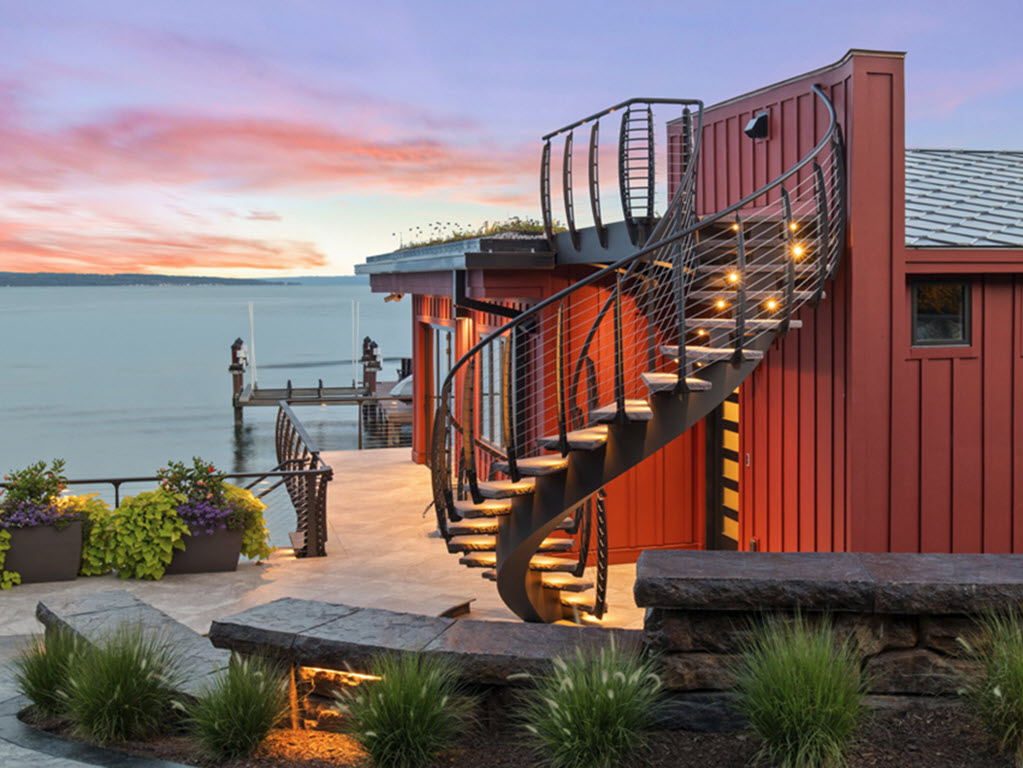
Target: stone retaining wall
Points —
{"points": [[903, 612]]}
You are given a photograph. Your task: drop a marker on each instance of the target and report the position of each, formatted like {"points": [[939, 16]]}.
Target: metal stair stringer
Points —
{"points": [[555, 496]]}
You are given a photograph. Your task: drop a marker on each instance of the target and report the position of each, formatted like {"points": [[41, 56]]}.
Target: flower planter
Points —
{"points": [[44, 553], [205, 552]]}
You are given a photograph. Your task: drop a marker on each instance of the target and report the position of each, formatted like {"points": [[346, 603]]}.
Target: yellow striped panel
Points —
{"points": [[731, 411], [730, 499], [730, 529], [731, 440], [730, 469]]}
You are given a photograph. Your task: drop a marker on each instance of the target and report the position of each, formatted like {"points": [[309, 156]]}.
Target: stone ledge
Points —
{"points": [[93, 616], [313, 634], [899, 583]]}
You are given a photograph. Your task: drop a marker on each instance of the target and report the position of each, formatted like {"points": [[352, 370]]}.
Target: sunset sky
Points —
{"points": [[277, 138]]}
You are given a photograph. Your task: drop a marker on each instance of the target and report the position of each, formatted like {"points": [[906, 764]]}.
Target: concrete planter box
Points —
{"points": [[205, 552], [44, 553]]}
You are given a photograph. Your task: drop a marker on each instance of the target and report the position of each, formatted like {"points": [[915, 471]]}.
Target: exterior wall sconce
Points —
{"points": [[757, 127], [394, 297]]}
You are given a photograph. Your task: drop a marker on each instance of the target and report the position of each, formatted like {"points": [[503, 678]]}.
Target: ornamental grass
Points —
{"points": [[592, 710], [413, 712], [41, 671], [233, 715], [123, 687], [801, 689], [996, 695]]}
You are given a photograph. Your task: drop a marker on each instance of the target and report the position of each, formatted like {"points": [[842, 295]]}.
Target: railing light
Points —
{"points": [[735, 227], [772, 304], [720, 304], [733, 277], [797, 251], [701, 332], [793, 226]]}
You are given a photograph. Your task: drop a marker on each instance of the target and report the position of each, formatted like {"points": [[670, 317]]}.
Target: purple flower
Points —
{"points": [[207, 517], [32, 514]]}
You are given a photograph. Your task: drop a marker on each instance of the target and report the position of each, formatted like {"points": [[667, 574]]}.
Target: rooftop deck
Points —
{"points": [[382, 553]]}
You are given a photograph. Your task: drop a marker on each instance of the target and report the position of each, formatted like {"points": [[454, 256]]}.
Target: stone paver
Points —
{"points": [[343, 637]]}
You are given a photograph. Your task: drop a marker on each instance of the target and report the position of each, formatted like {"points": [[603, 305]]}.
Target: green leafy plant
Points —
{"points": [[38, 482], [593, 709], [41, 671], [413, 712], [94, 513], [8, 579], [234, 714], [801, 689], [996, 695], [123, 687], [141, 535], [255, 537]]}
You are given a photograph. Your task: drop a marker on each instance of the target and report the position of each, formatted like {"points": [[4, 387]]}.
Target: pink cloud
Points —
{"points": [[25, 248], [246, 154]]}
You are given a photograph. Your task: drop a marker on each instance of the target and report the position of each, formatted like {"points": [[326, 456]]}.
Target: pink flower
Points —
{"points": [[209, 495], [211, 470], [201, 482]]}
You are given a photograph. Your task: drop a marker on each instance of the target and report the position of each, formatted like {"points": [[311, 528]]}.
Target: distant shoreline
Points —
{"points": [[66, 279]]}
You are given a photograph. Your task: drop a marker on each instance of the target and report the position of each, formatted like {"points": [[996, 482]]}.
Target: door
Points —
{"points": [[723, 475]]}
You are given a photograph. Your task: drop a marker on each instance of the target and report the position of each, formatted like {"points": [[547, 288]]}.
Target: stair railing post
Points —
{"points": [[545, 194], [508, 407], [600, 596], [740, 321], [682, 364], [468, 439], [619, 351], [839, 170], [790, 257], [594, 179], [823, 232], [559, 379], [566, 189]]}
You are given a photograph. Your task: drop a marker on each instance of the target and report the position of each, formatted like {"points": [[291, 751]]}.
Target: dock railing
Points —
{"points": [[300, 470]]}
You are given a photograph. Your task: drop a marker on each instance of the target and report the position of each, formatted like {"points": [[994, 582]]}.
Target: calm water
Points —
{"points": [[119, 380]]}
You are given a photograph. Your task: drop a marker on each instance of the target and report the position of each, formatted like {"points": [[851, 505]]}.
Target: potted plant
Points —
{"points": [[193, 523], [40, 532]]}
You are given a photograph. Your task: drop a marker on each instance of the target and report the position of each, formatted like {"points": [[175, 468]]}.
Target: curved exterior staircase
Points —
{"points": [[592, 380]]}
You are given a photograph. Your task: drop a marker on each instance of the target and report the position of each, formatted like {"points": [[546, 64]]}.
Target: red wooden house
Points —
{"points": [[818, 346]]}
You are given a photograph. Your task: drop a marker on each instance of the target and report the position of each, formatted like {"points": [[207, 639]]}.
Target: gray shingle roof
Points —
{"points": [[957, 198]]}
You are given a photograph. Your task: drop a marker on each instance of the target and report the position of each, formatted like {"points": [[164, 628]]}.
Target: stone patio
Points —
{"points": [[382, 553]]}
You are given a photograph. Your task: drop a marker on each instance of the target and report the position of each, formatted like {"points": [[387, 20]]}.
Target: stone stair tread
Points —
{"points": [[490, 574], [504, 489], [582, 603], [488, 543], [714, 353], [729, 322], [566, 582], [537, 563], [660, 381], [750, 295], [579, 439], [489, 508], [635, 410], [536, 466], [473, 526], [779, 266]]}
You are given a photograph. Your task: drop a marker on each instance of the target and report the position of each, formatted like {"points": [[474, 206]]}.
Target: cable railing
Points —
{"points": [[702, 292], [300, 470]]}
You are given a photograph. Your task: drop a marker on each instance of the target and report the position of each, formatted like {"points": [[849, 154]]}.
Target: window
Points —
{"points": [[941, 313], [491, 392]]}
